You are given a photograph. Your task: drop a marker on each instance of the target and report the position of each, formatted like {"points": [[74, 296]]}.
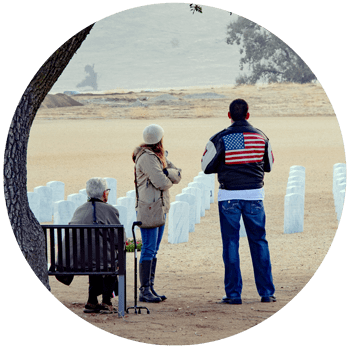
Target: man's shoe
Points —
{"points": [[92, 308], [268, 299], [108, 308], [235, 301]]}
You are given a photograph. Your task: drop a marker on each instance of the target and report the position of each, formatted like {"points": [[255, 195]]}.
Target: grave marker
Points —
{"points": [[83, 192], [198, 194], [112, 184], [210, 178], [77, 198], [178, 225], [293, 213], [45, 205], [341, 204], [203, 194], [57, 191], [63, 212], [242, 230], [129, 203], [34, 203], [206, 186], [191, 200], [123, 214]]}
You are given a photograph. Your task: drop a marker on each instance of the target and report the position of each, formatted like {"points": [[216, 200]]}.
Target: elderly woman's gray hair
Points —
{"points": [[95, 187]]}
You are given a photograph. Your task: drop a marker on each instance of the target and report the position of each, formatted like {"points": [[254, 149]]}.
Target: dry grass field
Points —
{"points": [[73, 144]]}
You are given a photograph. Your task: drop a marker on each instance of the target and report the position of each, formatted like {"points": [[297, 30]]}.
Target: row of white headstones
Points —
{"points": [[48, 205], [189, 207], [294, 201], [339, 186]]}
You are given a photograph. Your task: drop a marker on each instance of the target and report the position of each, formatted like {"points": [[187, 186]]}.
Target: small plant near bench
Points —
{"points": [[130, 245]]}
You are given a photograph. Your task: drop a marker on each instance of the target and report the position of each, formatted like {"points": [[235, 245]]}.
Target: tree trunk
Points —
{"points": [[26, 227]]}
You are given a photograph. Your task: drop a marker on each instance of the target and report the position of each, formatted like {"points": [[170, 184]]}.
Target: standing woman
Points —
{"points": [[154, 175]]}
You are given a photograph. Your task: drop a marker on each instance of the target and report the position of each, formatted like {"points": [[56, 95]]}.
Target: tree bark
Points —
{"points": [[26, 227]]}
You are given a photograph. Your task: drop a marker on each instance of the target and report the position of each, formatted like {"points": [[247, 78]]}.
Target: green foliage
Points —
{"points": [[130, 245], [267, 57], [195, 8]]}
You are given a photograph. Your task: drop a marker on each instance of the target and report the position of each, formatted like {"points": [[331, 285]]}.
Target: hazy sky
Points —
{"points": [[153, 46]]}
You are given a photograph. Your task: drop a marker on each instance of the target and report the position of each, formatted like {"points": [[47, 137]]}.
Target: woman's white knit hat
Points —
{"points": [[153, 134]]}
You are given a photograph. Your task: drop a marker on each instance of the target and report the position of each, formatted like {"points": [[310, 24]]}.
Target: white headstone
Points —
{"points": [[339, 183], [207, 187], [339, 199], [131, 194], [198, 194], [242, 231], [297, 172], [45, 193], [178, 225], [77, 198], [338, 174], [299, 183], [339, 170], [57, 191], [63, 212], [129, 203], [297, 178], [34, 203], [210, 178], [123, 214], [341, 204], [297, 168], [112, 184], [203, 195], [191, 200], [295, 189], [339, 165], [293, 213], [83, 192], [338, 178]]}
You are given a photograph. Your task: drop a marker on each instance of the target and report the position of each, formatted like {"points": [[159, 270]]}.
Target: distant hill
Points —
{"points": [[59, 100]]}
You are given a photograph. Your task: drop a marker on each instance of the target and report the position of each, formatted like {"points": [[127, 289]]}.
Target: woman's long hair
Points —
{"points": [[158, 149]]}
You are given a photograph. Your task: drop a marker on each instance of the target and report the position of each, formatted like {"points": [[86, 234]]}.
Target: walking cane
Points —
{"points": [[136, 223]]}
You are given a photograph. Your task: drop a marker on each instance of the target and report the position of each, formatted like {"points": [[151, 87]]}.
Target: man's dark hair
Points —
{"points": [[238, 109]]}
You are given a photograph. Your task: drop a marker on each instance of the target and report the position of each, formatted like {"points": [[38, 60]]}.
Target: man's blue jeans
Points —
{"points": [[151, 238], [253, 215]]}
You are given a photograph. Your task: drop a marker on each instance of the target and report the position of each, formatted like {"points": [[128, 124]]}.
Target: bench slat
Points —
{"points": [[59, 247], [97, 249], [82, 232], [89, 260], [106, 234], [71, 246], [52, 246], [75, 248], [66, 236]]}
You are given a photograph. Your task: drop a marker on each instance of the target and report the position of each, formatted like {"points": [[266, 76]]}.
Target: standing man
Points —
{"points": [[240, 154]]}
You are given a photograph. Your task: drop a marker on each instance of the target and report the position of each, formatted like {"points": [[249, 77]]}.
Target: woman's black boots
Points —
{"points": [[145, 291], [153, 273]]}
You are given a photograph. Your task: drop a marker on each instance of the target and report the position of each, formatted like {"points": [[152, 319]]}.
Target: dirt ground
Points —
{"points": [[73, 144]]}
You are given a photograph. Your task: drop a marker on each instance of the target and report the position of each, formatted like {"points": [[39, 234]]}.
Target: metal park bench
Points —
{"points": [[74, 250]]}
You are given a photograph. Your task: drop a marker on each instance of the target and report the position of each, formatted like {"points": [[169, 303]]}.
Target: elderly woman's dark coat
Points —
{"points": [[106, 214]]}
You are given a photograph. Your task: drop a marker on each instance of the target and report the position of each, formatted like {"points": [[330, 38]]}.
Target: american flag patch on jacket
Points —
{"points": [[243, 148]]}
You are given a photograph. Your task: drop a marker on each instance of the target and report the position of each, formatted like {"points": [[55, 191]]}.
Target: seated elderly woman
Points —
{"points": [[96, 210]]}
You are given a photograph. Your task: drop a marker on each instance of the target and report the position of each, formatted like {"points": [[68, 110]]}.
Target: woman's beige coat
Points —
{"points": [[151, 179]]}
